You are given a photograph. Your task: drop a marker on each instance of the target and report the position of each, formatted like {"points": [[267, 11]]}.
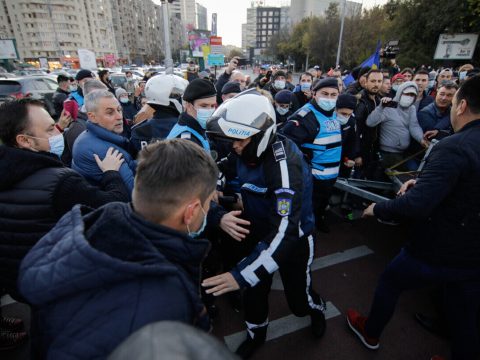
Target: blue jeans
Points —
{"points": [[462, 299]]}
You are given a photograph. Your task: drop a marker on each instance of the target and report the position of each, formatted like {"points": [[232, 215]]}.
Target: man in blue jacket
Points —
{"points": [[107, 273], [104, 129], [444, 206]]}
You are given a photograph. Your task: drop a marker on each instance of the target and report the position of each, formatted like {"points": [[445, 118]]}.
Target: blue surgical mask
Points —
{"points": [[326, 104], [57, 144], [203, 115], [279, 84], [72, 88], [124, 100], [305, 86], [197, 233], [342, 119], [282, 111]]}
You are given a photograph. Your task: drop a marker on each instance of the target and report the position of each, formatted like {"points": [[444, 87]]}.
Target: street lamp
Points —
{"points": [[166, 30]]}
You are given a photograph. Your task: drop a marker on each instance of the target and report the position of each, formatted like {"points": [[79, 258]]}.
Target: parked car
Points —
{"points": [[35, 87]]}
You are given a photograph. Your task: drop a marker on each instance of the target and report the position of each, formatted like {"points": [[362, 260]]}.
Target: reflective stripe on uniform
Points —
{"points": [[328, 139]]}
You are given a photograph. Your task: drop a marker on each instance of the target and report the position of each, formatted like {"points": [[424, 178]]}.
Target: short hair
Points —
{"points": [[422, 72], [14, 119], [448, 84], [92, 99], [372, 71], [91, 85], [306, 74], [128, 72], [101, 73], [170, 172], [409, 70], [469, 92]]}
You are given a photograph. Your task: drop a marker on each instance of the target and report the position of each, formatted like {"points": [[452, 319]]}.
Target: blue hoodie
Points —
{"points": [[96, 278]]}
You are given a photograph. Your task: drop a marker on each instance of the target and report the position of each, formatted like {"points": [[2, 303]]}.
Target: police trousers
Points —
{"points": [[297, 282]]}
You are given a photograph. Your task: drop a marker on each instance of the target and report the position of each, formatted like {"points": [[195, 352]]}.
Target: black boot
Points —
{"points": [[318, 324], [250, 345]]}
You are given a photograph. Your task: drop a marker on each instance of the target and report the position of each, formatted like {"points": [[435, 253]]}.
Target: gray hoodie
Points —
{"points": [[398, 124]]}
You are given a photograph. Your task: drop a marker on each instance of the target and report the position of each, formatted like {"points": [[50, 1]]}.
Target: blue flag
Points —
{"points": [[373, 61]]}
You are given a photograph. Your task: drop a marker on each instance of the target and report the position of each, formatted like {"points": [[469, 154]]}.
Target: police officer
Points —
{"points": [[200, 101], [276, 192], [316, 130], [163, 93]]}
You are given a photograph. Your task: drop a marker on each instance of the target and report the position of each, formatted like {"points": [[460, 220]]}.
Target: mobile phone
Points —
{"points": [[390, 104], [71, 107], [241, 62], [268, 74]]}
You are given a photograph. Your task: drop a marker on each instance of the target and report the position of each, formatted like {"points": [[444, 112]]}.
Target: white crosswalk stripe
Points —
{"points": [[280, 327]]}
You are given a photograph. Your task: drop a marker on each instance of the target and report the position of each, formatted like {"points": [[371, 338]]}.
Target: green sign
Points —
{"points": [[216, 59]]}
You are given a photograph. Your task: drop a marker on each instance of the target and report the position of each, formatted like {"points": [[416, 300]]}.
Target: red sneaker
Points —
{"points": [[356, 322]]}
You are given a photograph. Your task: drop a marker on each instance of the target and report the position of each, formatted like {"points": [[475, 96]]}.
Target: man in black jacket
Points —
{"points": [[61, 94], [444, 204], [36, 189]]}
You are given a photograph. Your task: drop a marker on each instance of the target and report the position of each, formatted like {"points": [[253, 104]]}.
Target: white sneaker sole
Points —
{"points": [[360, 336]]}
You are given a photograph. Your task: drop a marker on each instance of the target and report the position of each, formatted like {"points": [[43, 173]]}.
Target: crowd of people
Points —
{"points": [[115, 211]]}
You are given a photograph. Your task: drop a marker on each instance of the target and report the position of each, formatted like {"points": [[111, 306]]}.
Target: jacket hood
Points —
{"points": [[17, 164], [401, 89], [103, 247]]}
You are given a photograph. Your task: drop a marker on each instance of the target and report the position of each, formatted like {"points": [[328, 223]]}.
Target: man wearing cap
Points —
{"points": [[397, 80], [62, 93], [81, 77], [230, 89], [316, 130], [345, 107], [199, 102], [283, 106], [277, 83], [398, 124]]}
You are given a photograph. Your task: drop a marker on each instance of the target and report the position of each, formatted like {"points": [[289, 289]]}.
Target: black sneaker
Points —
{"points": [[10, 323], [318, 324], [251, 345], [10, 340]]}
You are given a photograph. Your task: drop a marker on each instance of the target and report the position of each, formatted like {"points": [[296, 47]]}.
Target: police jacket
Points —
{"points": [[188, 128], [36, 189], [104, 275], [277, 200], [157, 128], [444, 204], [97, 140], [58, 98], [318, 135], [367, 137]]}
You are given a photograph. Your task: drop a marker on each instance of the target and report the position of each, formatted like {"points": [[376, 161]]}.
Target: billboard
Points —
{"points": [[216, 45], [197, 39], [87, 59], [456, 46], [7, 49]]}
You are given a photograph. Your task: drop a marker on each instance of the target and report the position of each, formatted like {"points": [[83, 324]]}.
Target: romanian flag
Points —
{"points": [[373, 61]]}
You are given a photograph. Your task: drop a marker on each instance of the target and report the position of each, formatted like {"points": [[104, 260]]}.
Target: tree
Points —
{"points": [[235, 52]]}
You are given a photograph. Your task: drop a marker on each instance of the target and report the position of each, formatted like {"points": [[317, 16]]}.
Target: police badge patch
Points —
{"points": [[284, 201]]}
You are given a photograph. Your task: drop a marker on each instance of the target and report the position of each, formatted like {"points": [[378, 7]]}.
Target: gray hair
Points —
{"points": [[93, 98], [93, 84]]}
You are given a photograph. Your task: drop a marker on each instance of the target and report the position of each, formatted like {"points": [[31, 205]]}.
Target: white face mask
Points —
{"points": [[281, 111], [405, 101], [279, 84], [342, 119]]}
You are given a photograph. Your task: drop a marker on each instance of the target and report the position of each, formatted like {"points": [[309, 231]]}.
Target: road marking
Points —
{"points": [[329, 260], [280, 327], [6, 300]]}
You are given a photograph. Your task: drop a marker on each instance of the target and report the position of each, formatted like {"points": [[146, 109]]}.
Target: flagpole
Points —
{"points": [[341, 34]]}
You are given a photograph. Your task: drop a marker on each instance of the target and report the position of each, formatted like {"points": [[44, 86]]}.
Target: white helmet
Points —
{"points": [[163, 89], [248, 114]]}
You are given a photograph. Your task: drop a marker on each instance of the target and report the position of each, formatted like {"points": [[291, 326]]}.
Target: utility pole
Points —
{"points": [[341, 34], [166, 30]]}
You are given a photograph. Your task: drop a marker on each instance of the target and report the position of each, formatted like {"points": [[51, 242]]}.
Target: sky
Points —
{"points": [[233, 13]]}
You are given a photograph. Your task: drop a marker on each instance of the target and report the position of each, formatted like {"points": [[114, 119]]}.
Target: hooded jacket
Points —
{"points": [[97, 277], [36, 189], [398, 124]]}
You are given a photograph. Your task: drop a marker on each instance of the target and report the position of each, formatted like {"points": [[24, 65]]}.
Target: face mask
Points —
{"points": [[282, 111], [57, 144], [203, 115], [405, 101], [342, 119], [124, 100], [395, 87], [461, 75], [326, 104], [72, 88], [195, 234], [279, 84], [431, 84], [305, 86]]}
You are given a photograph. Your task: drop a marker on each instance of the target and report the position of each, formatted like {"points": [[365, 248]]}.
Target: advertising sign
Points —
{"points": [[87, 59], [43, 62], [7, 49], [216, 45], [196, 39], [216, 59], [456, 46]]}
